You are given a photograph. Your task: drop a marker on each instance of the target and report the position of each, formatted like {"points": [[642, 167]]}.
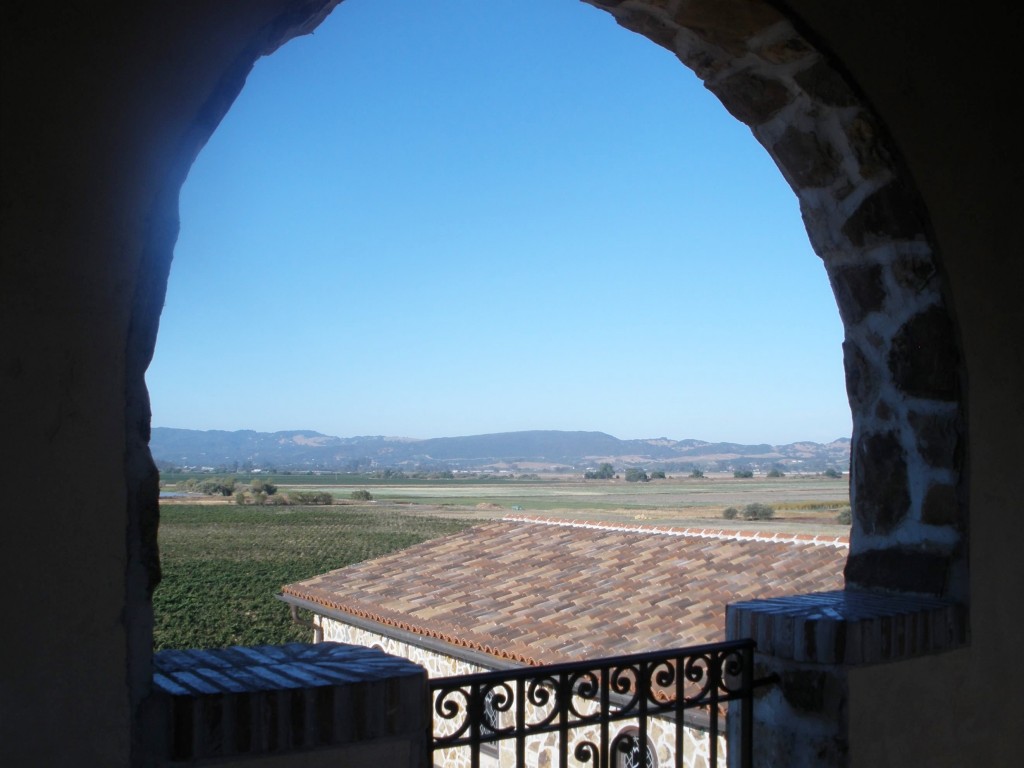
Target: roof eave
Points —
{"points": [[462, 653]]}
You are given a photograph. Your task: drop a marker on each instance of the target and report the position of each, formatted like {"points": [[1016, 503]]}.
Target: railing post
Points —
{"points": [[747, 710], [520, 721], [717, 677], [476, 707]]}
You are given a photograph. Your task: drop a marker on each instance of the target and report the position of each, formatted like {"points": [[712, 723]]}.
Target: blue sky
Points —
{"points": [[461, 217]]}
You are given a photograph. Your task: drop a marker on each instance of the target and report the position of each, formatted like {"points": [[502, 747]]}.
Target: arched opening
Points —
{"points": [[630, 278], [866, 223]]}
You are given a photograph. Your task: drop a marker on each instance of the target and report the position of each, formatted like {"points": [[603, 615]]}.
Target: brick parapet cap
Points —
{"points": [[244, 669], [848, 627], [274, 699], [841, 542]]}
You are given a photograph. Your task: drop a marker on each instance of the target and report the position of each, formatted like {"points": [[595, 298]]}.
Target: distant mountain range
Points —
{"points": [[534, 451]]}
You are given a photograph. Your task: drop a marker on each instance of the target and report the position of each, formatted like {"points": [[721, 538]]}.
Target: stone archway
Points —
{"points": [[110, 107], [865, 220]]}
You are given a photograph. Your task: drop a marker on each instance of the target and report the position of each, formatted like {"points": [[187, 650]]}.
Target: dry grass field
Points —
{"points": [[807, 504]]}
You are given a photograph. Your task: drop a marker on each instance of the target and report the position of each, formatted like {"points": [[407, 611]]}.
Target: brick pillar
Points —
{"points": [[808, 643]]}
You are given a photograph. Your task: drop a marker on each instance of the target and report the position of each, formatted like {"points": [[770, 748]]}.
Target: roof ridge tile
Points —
{"points": [[780, 537]]}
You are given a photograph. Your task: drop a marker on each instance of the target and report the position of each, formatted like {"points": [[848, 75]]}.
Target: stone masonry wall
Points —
{"points": [[866, 222]]}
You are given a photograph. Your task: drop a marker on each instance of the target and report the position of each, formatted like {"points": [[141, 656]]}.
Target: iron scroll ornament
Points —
{"points": [[578, 701]]}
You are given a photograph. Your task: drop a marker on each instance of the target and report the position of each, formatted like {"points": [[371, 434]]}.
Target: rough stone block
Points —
{"points": [[923, 359], [727, 24], [859, 291], [881, 492], [864, 138], [938, 438], [751, 99], [861, 383], [655, 29], [941, 506], [807, 160], [889, 213], [914, 273], [824, 84], [900, 569]]}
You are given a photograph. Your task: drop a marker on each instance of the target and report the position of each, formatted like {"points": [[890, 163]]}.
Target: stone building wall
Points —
{"points": [[541, 751]]}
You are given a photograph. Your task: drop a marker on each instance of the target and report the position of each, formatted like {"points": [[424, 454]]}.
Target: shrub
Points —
{"points": [[743, 473], [240, 498], [845, 516], [696, 472], [657, 475], [730, 513], [758, 511], [605, 472], [776, 473], [833, 473], [265, 486], [312, 497], [634, 475], [225, 486], [278, 500], [361, 495]]}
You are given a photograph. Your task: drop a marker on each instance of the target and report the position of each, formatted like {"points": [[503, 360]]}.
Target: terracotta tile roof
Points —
{"points": [[541, 591]]}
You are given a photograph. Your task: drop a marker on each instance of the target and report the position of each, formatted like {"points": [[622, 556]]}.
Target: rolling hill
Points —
{"points": [[536, 450]]}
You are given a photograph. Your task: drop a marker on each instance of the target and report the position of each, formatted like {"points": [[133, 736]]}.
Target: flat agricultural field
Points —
{"points": [[802, 503], [223, 564], [807, 503]]}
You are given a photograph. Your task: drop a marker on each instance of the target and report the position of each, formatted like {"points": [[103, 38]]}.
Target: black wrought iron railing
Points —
{"points": [[649, 709]]}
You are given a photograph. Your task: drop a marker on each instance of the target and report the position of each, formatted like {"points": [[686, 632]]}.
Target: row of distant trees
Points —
{"points": [[304, 498], [759, 511], [755, 511], [261, 491], [633, 475], [637, 475]]}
